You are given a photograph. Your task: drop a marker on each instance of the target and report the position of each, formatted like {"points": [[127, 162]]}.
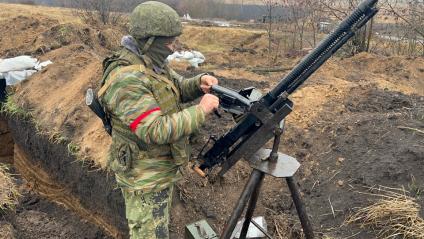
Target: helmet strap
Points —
{"points": [[147, 45]]}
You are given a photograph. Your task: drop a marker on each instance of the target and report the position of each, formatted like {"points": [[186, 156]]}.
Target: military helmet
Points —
{"points": [[152, 19]]}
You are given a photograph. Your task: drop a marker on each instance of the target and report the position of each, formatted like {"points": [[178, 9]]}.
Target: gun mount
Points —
{"points": [[259, 117]]}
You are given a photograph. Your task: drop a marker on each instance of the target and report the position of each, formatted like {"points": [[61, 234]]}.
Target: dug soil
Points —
{"points": [[357, 124], [356, 142], [37, 217], [51, 212], [6, 141]]}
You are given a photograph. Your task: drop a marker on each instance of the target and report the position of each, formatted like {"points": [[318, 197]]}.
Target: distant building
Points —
{"points": [[324, 27]]}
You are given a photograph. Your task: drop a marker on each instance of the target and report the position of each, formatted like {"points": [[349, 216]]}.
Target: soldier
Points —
{"points": [[150, 136]]}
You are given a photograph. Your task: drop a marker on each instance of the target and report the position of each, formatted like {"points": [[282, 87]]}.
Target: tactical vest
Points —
{"points": [[126, 147]]}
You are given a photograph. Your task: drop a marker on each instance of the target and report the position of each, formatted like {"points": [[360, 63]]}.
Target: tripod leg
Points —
{"points": [[251, 207], [300, 208], [254, 180]]}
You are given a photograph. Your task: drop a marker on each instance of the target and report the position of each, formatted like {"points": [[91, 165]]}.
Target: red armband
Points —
{"points": [[134, 124]]}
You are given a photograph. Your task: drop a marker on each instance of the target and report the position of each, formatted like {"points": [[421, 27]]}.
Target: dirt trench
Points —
{"points": [[6, 142], [60, 198]]}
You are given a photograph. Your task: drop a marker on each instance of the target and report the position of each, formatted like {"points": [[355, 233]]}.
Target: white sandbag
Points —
{"points": [[175, 56], [15, 77], [40, 66], [187, 55], [195, 62], [17, 69], [193, 57], [198, 54], [17, 63]]}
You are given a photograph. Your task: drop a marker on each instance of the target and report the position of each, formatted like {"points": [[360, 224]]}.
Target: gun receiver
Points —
{"points": [[259, 121], [234, 102]]}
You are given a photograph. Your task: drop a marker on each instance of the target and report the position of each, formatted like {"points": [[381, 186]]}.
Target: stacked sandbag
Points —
{"points": [[17, 69]]}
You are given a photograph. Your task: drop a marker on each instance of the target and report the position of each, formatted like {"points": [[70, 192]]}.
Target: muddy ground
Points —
{"points": [[357, 123], [37, 217]]}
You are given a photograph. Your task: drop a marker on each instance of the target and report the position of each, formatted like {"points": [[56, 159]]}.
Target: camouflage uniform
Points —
{"points": [[150, 135]]}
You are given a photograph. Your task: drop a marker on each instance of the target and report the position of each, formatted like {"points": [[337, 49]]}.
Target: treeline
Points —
{"points": [[195, 8], [400, 29]]}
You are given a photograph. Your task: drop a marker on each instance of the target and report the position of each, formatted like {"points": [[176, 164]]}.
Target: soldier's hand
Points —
{"points": [[209, 103], [206, 82]]}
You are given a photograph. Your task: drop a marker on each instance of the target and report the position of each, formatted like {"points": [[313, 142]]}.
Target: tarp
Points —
{"points": [[17, 69], [193, 57]]}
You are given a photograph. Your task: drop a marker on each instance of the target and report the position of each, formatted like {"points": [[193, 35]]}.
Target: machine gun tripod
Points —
{"points": [[257, 117], [276, 164]]}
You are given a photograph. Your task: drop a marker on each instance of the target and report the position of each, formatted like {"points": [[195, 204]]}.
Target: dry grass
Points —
{"points": [[9, 194], [394, 215], [216, 39], [286, 228], [63, 15]]}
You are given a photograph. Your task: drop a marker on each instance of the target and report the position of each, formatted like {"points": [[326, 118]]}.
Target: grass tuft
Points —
{"points": [[56, 137], [393, 215], [9, 193], [10, 108], [73, 149]]}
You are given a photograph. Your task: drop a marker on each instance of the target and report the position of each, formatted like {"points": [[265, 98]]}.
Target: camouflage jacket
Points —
{"points": [[150, 128]]}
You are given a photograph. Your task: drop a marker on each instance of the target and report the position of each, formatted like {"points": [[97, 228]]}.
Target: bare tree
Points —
{"points": [[339, 9], [104, 11], [304, 16], [295, 26], [268, 21], [409, 21]]}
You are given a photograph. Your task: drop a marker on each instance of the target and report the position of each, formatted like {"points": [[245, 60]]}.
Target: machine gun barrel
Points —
{"points": [[258, 123], [326, 48]]}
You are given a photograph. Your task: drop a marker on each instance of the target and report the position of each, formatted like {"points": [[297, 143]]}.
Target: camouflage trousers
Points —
{"points": [[148, 213]]}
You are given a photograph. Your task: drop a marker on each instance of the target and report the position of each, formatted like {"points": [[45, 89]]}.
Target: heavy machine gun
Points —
{"points": [[261, 115], [259, 118]]}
